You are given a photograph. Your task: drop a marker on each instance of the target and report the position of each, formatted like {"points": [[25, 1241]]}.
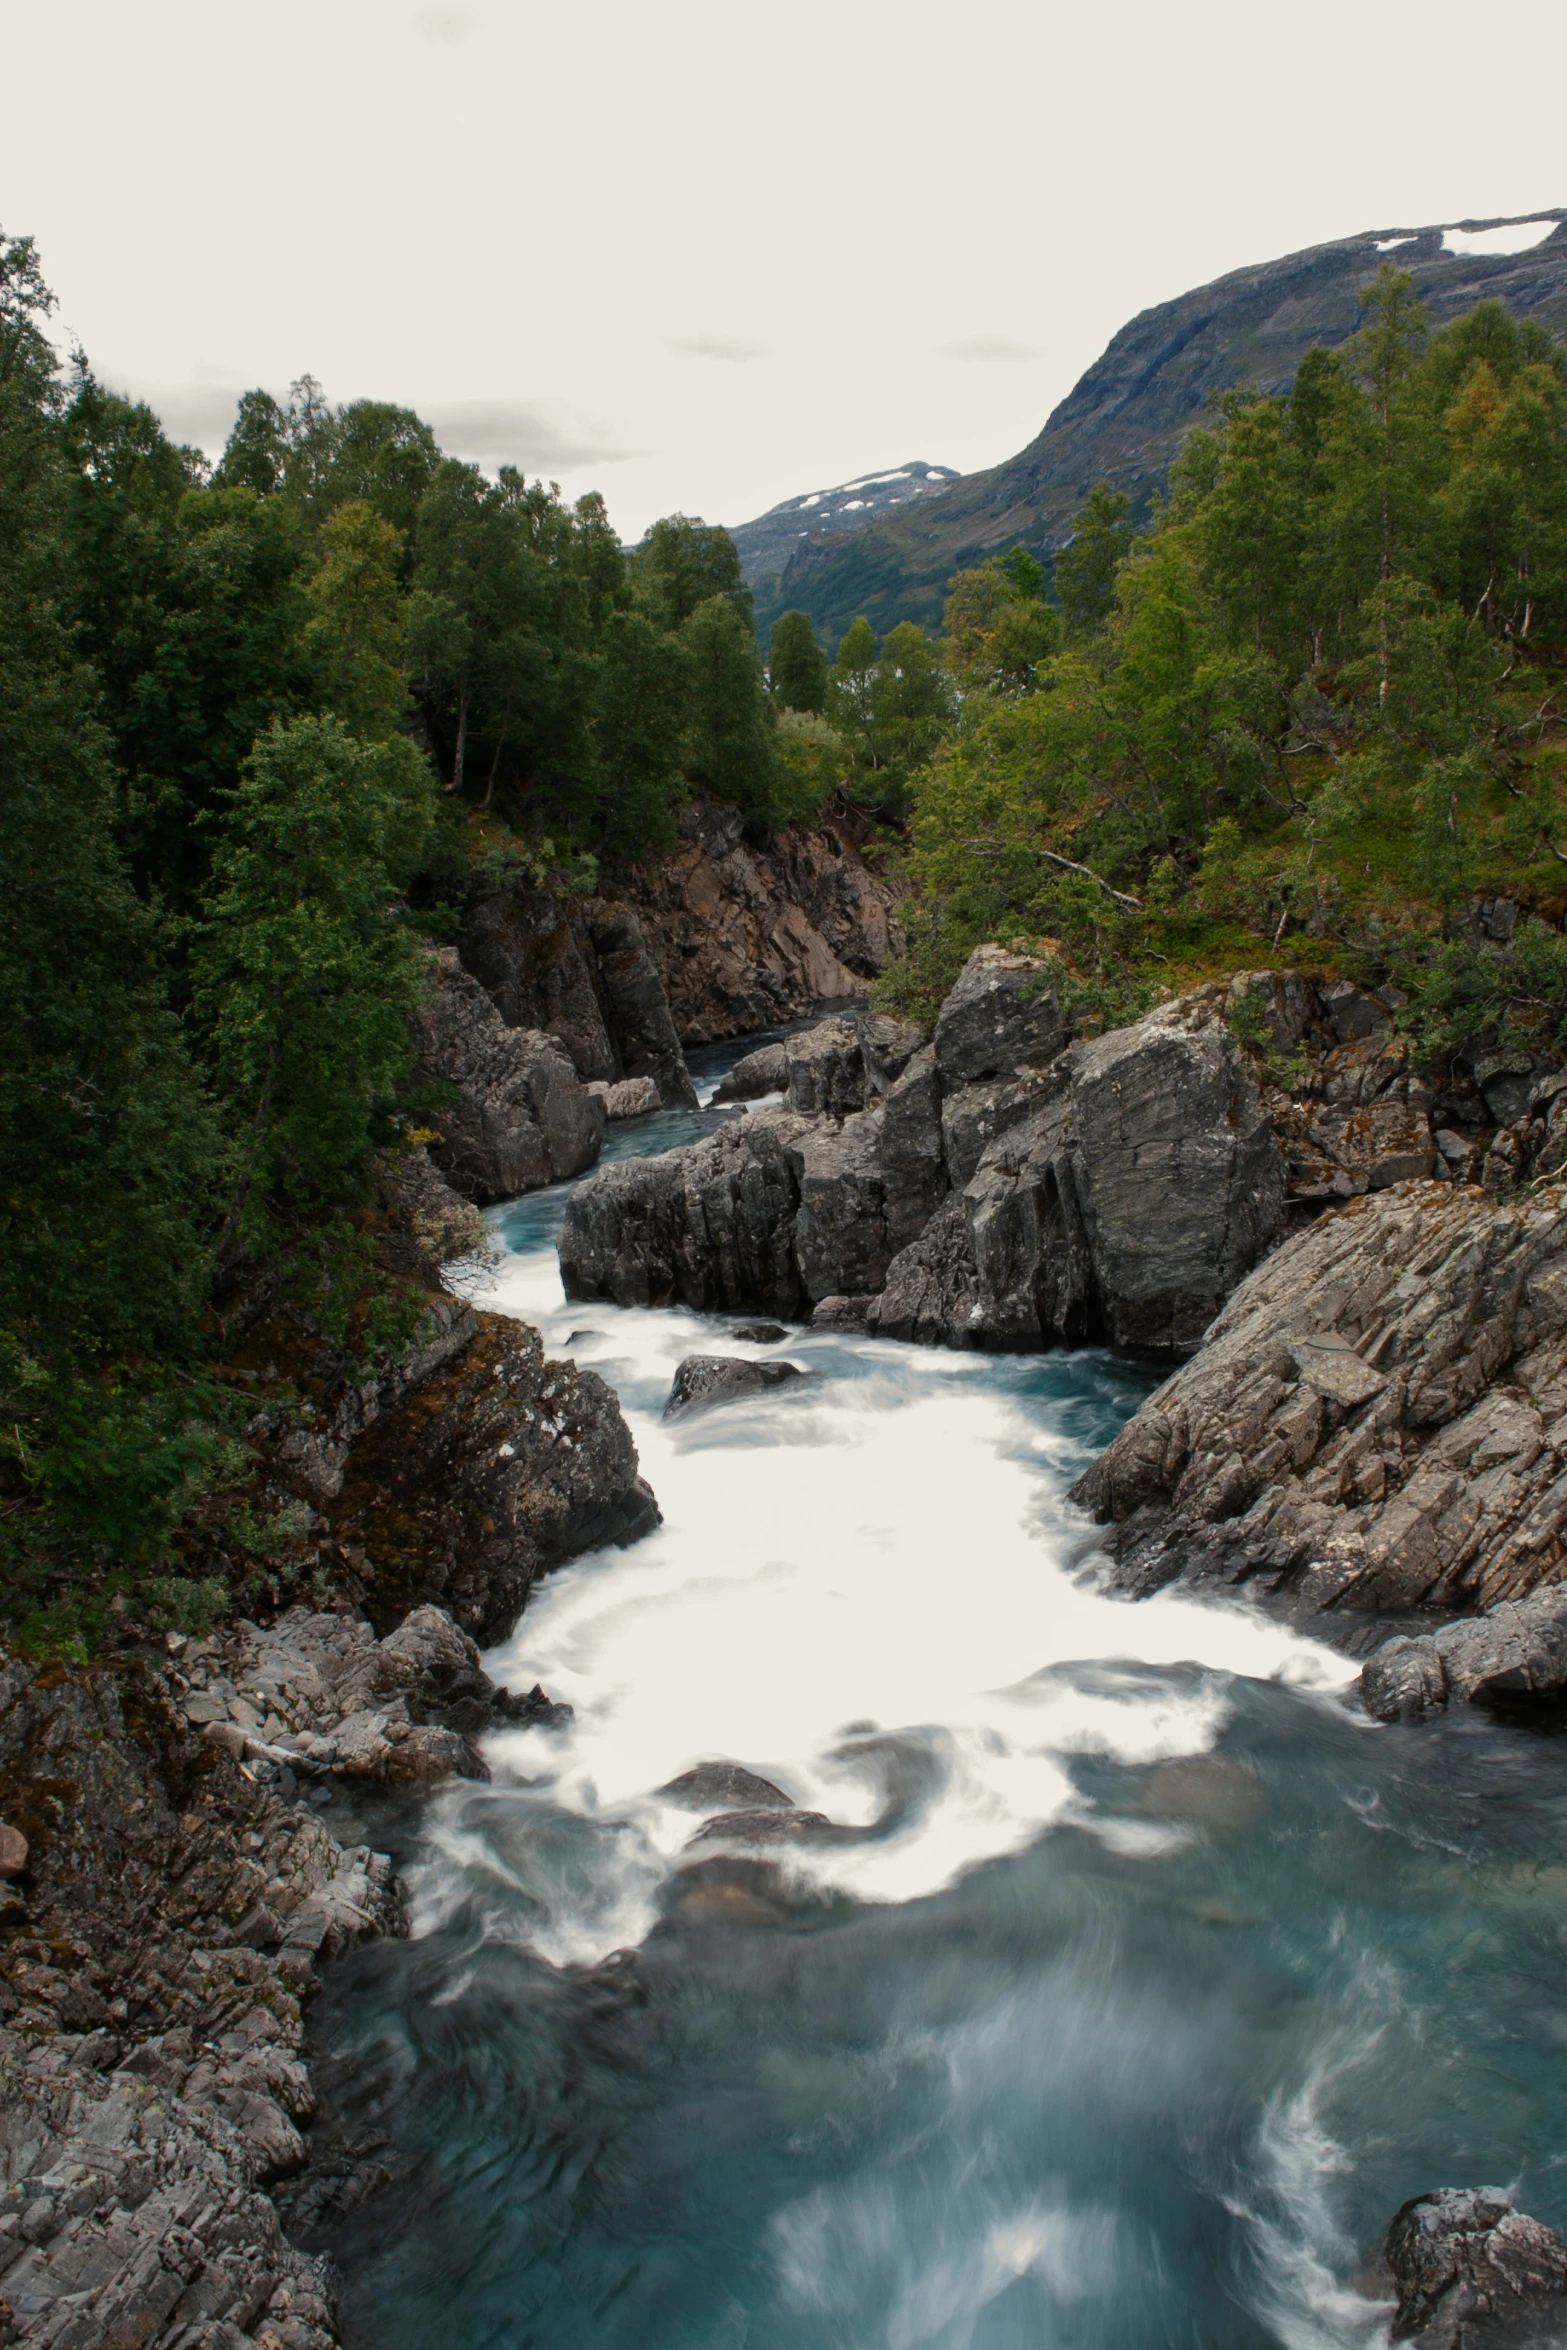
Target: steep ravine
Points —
{"points": [[893, 2043]]}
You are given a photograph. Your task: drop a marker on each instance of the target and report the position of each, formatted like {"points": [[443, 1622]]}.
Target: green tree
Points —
{"points": [[107, 1150], [730, 747], [911, 710], [998, 626], [796, 663], [303, 972], [681, 563], [640, 724], [358, 624], [1086, 566]]}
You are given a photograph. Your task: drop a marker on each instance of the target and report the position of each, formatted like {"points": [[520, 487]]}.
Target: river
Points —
{"points": [[1138, 1983]]}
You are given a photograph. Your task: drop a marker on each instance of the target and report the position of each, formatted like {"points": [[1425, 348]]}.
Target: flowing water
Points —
{"points": [[1138, 1981]]}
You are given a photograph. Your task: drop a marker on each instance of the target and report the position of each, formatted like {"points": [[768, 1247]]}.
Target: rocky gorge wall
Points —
{"points": [[1371, 1418], [169, 1874]]}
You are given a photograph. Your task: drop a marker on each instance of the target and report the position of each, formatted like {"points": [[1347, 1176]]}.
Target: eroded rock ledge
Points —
{"points": [[1375, 1424]]}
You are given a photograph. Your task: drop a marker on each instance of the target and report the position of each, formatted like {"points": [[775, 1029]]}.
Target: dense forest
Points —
{"points": [[261, 724]]}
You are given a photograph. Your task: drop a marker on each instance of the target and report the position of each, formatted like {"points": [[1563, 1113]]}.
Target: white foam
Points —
{"points": [[1520, 237], [885, 1557]]}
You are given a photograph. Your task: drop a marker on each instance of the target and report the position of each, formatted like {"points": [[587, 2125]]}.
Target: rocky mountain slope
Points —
{"points": [[1123, 421], [767, 543]]}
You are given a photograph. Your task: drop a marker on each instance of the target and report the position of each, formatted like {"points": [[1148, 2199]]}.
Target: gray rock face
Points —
{"points": [[1376, 1421], [746, 936], [914, 1173], [1177, 1179], [841, 1239], [1003, 1016], [581, 973], [1034, 1275], [1474, 2274], [762, 1072], [522, 1117], [826, 1070], [1120, 1186], [929, 1291], [320, 1694], [638, 1011], [523, 947], [711, 1225], [703, 1382], [151, 2061]]}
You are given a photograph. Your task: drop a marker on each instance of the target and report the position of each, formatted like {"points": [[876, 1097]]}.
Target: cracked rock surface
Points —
{"points": [[1376, 1423]]}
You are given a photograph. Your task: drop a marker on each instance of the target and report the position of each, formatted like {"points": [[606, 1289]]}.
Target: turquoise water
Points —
{"points": [[1137, 1982]]}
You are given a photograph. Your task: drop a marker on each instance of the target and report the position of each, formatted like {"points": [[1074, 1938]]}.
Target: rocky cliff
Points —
{"points": [[723, 935], [1001, 1186], [169, 1871]]}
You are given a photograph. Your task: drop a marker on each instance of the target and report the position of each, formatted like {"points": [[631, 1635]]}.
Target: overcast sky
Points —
{"points": [[703, 254]]}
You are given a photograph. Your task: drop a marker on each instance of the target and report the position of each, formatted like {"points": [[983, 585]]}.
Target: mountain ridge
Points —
{"points": [[1125, 417]]}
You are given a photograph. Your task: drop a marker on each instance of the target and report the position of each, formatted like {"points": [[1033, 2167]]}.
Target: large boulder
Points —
{"points": [[500, 1467], [1004, 1015], [756, 1074], [826, 1070], [522, 1116], [1472, 2273], [710, 1226], [1177, 1178], [1376, 1421]]}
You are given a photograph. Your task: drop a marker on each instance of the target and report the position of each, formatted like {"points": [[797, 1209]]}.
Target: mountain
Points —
{"points": [[1125, 419], [767, 543]]}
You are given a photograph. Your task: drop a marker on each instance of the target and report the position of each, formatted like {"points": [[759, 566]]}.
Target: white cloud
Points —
{"points": [[537, 436], [448, 26], [717, 347]]}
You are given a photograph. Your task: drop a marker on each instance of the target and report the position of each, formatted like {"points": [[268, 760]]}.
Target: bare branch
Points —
{"points": [[1069, 865]]}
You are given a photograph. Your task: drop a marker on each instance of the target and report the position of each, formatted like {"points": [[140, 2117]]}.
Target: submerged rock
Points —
{"points": [[1474, 2274], [760, 1333], [703, 1382], [762, 1072], [761, 1825], [724, 1786]]}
